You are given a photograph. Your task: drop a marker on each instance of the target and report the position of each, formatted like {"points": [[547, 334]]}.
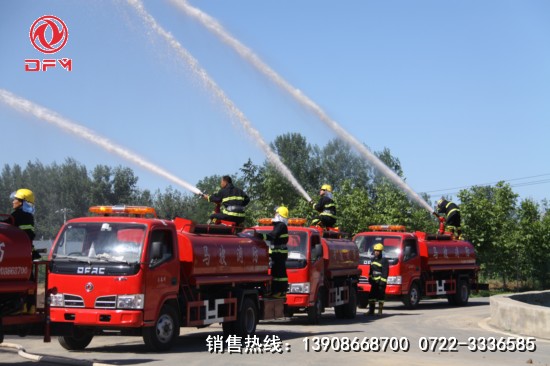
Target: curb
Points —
{"points": [[519, 314]]}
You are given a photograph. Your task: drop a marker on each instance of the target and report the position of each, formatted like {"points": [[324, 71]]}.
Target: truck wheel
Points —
{"points": [[362, 300], [163, 334], [412, 299], [78, 341], [462, 293], [350, 309], [314, 312], [228, 329], [247, 318]]}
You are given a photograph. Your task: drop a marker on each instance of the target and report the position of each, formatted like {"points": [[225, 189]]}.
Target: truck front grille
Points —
{"points": [[106, 302], [363, 279], [73, 301]]}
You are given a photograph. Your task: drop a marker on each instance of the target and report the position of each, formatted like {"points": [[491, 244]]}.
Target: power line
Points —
{"points": [[490, 184]]}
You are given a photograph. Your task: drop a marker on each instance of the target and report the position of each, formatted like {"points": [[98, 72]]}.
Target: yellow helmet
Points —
{"points": [[23, 194], [283, 211], [326, 187], [378, 246]]}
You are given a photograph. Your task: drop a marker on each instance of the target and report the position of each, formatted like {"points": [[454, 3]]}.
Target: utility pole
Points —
{"points": [[64, 211]]}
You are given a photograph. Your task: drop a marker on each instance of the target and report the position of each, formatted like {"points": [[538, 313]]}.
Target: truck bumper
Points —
{"points": [[297, 300], [97, 317], [391, 290]]}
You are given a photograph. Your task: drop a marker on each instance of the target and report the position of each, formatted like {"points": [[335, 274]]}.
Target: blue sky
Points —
{"points": [[459, 91]]}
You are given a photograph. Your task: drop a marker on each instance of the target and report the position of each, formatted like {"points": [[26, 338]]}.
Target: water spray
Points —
{"points": [[49, 116], [193, 64], [247, 54]]}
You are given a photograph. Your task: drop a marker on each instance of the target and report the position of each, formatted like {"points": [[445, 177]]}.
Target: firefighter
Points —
{"points": [[378, 278], [278, 251], [452, 215], [232, 201], [23, 217], [23, 213], [326, 208]]}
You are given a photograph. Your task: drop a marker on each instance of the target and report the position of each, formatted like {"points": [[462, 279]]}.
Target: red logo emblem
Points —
{"points": [[49, 34]]}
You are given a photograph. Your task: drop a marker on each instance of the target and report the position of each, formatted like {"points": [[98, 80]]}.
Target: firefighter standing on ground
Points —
{"points": [[278, 251], [452, 215], [232, 202], [378, 278], [326, 208]]}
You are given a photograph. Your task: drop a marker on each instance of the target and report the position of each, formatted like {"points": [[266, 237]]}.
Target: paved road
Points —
{"points": [[434, 318]]}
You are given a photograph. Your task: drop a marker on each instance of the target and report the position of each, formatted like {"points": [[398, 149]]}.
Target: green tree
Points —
{"points": [[488, 215]]}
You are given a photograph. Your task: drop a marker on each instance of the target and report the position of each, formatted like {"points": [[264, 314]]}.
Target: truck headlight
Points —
{"points": [[394, 280], [130, 301], [298, 288], [57, 300]]}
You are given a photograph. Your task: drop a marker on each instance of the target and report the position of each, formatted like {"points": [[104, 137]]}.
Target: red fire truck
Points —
{"points": [[126, 271], [420, 265], [322, 269], [20, 312]]}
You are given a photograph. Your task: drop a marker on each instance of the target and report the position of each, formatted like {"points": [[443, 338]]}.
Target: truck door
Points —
{"points": [[411, 263], [162, 271], [316, 268]]}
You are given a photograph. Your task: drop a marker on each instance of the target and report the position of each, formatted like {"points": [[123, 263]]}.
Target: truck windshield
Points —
{"points": [[392, 247], [297, 248], [113, 242]]}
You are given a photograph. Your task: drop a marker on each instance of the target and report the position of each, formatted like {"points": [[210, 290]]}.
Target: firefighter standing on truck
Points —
{"points": [[278, 251], [378, 278], [23, 217], [23, 214], [452, 215], [326, 208], [232, 201]]}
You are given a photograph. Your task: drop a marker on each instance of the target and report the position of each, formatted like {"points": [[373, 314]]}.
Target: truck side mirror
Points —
{"points": [[317, 252], [156, 251]]}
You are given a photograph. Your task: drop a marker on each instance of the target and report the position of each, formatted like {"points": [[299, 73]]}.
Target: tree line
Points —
{"points": [[512, 237]]}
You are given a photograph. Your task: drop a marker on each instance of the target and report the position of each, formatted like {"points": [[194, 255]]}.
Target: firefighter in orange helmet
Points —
{"points": [[326, 208], [378, 278]]}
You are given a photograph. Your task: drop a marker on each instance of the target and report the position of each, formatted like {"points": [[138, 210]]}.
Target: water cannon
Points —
{"points": [[441, 220]]}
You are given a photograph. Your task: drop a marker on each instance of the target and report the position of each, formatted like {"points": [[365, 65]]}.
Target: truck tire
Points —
{"points": [[163, 334], [314, 312], [78, 341], [247, 319], [412, 298], [362, 300], [350, 309], [228, 328], [462, 294]]}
